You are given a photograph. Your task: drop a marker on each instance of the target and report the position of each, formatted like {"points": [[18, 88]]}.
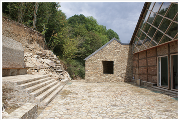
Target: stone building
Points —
{"points": [[151, 55], [110, 63]]}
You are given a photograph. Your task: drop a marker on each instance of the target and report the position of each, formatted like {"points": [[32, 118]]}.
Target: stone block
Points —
{"points": [[142, 62], [152, 70], [27, 111], [142, 55], [142, 70], [13, 72], [135, 63], [143, 77], [152, 61], [162, 50], [151, 52], [12, 53], [174, 47], [138, 82]]}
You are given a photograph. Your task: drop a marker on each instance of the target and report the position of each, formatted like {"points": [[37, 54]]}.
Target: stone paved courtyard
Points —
{"points": [[80, 100]]}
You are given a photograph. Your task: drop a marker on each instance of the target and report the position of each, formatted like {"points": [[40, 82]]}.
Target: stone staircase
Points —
{"points": [[39, 89]]}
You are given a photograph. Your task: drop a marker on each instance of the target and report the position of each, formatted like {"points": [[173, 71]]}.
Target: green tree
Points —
{"points": [[111, 34]]}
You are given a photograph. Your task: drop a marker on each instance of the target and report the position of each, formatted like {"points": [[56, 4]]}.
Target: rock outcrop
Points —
{"points": [[45, 62]]}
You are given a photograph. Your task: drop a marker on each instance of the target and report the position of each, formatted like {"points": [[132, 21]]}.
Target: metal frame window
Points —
{"points": [[159, 25]]}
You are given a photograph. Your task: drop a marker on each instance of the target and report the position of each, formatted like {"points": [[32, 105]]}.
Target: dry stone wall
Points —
{"points": [[38, 59], [122, 69]]}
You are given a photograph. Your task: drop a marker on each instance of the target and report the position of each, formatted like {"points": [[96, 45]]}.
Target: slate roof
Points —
{"points": [[105, 46]]}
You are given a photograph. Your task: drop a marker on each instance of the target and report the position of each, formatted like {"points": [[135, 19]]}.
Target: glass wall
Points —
{"points": [[159, 25]]}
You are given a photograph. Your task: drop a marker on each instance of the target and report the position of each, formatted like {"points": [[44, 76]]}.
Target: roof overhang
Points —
{"points": [[142, 15]]}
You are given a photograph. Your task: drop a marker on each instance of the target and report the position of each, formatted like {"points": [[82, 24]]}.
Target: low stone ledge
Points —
{"points": [[27, 111]]}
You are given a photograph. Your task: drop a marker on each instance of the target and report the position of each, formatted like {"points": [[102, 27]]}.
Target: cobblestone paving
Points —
{"points": [[80, 100]]}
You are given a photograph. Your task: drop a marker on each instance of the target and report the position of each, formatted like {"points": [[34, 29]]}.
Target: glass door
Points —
{"points": [[174, 71], [163, 71]]}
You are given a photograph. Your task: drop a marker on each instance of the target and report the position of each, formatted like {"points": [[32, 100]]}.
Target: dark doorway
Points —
{"points": [[108, 67], [174, 70], [163, 71]]}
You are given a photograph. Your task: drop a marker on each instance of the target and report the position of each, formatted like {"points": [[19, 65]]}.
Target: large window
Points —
{"points": [[159, 25], [108, 67]]}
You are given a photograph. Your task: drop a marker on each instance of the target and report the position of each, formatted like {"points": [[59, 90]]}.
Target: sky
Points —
{"points": [[121, 17]]}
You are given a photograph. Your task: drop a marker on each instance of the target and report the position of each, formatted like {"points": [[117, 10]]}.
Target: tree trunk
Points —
{"points": [[35, 11]]}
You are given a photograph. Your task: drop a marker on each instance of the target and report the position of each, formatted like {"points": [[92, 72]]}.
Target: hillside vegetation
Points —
{"points": [[71, 39]]}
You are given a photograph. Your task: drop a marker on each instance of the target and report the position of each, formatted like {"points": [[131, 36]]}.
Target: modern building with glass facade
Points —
{"points": [[155, 45]]}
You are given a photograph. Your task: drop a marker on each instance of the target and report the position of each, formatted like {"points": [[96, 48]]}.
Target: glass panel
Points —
{"points": [[136, 41], [158, 36], [175, 71], [164, 71], [139, 33], [135, 49], [165, 39], [142, 36], [172, 12], [152, 31], [164, 25], [146, 28], [176, 19], [164, 8], [173, 30], [150, 8], [149, 43], [141, 26], [147, 15], [156, 7], [157, 21]]}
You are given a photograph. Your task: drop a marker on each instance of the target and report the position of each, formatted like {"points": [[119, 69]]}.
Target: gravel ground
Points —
{"points": [[81, 100]]}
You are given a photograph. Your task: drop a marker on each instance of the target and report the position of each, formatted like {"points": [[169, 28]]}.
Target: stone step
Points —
{"points": [[27, 111], [43, 89], [164, 90], [49, 98], [32, 83], [58, 64], [35, 87], [29, 78], [59, 70], [42, 96]]}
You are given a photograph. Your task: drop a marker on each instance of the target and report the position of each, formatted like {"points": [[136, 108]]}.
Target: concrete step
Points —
{"points": [[40, 85], [49, 98], [43, 89], [29, 78], [32, 83], [42, 96]]}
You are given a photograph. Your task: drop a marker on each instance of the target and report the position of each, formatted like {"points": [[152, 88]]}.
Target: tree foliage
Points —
{"points": [[72, 39]]}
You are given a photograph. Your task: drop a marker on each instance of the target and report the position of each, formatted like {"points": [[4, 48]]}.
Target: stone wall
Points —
{"points": [[121, 56], [12, 57], [145, 62]]}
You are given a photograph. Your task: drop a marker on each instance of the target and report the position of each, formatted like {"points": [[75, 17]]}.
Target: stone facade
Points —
{"points": [[113, 51], [145, 62]]}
